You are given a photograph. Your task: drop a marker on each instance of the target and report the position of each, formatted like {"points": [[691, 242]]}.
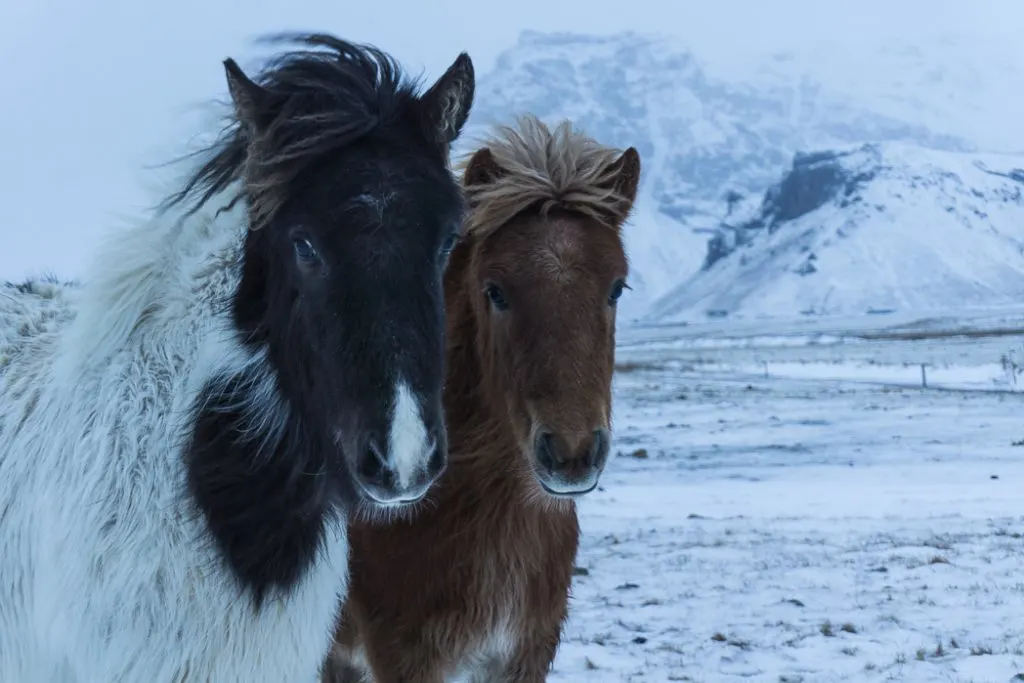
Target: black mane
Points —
{"points": [[331, 93]]}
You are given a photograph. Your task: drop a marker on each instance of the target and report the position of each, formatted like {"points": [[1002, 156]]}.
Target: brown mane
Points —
{"points": [[478, 579], [544, 170]]}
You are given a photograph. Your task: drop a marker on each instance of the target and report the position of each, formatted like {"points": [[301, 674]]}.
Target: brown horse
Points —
{"points": [[475, 586]]}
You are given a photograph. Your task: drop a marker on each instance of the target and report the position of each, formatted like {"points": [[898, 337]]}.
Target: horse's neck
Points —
{"points": [[161, 280]]}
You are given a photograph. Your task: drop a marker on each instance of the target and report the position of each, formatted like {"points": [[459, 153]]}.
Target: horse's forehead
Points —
{"points": [[375, 201], [378, 205], [567, 241], [561, 251], [394, 192]]}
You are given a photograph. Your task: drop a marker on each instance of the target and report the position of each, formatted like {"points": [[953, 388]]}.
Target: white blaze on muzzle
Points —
{"points": [[409, 442]]}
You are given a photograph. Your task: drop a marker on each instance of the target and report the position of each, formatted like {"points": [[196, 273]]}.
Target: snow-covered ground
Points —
{"points": [[821, 523]]}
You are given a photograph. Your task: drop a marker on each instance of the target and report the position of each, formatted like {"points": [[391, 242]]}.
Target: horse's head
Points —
{"points": [[353, 211], [544, 265]]}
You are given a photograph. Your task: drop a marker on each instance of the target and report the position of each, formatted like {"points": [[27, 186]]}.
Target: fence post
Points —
{"points": [[924, 377], [765, 363]]}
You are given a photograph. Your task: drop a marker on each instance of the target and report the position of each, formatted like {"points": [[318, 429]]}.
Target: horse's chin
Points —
{"points": [[565, 488], [369, 511], [370, 497]]}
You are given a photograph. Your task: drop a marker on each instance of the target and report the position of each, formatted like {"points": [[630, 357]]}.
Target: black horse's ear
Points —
{"points": [[255, 106], [447, 104]]}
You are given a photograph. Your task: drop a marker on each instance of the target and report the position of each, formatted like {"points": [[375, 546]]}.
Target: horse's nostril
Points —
{"points": [[373, 464], [544, 449], [436, 463], [595, 448], [599, 449]]}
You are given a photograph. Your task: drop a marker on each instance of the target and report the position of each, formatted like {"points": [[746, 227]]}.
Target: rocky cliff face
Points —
{"points": [[865, 230], [813, 181]]}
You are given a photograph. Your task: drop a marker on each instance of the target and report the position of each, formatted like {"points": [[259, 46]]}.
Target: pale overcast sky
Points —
{"points": [[95, 90]]}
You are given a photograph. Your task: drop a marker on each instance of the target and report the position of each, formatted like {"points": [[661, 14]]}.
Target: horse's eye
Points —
{"points": [[494, 293], [304, 252], [449, 243], [616, 292]]}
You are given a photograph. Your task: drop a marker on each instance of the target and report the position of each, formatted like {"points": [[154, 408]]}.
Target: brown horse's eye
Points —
{"points": [[497, 298], [617, 289]]}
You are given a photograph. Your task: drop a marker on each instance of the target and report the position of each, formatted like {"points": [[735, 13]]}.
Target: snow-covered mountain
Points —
{"points": [[709, 130], [869, 229]]}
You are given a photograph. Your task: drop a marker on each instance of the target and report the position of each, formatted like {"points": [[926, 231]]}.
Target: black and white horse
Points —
{"points": [[182, 434]]}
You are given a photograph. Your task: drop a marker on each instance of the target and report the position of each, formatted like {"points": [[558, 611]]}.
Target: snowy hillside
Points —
{"points": [[706, 128], [871, 229]]}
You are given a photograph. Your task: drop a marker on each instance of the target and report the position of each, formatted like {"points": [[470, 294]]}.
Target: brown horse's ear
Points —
{"points": [[482, 169], [627, 174], [255, 106]]}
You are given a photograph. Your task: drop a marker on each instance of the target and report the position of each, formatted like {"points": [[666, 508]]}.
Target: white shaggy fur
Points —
{"points": [[107, 572]]}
